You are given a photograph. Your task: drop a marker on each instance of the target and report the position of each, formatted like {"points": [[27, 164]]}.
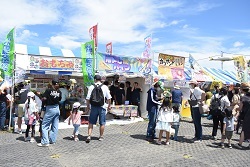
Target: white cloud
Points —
{"points": [[64, 41], [238, 44], [185, 26], [21, 13], [25, 35], [122, 21]]}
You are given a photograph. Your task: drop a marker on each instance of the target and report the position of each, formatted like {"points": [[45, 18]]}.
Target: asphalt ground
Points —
{"points": [[123, 145]]}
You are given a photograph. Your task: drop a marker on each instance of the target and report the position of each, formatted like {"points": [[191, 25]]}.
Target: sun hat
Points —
{"points": [[31, 94], [76, 105], [193, 81]]}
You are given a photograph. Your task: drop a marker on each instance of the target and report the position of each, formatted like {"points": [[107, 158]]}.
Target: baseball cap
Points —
{"points": [[76, 105], [55, 82], [98, 77]]}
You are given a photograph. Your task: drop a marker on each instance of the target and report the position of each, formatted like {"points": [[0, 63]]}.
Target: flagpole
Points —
{"points": [[12, 92], [96, 48], [13, 84]]}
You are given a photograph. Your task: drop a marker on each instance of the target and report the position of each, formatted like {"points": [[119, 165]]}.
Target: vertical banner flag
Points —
{"points": [[197, 71], [93, 35], [7, 57], [240, 65], [109, 48], [147, 47], [88, 51]]}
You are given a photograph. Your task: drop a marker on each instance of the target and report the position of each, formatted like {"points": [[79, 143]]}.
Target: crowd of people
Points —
{"points": [[229, 109]]}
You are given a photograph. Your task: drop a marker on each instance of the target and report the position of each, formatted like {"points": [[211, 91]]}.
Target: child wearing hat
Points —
{"points": [[75, 117], [30, 116]]}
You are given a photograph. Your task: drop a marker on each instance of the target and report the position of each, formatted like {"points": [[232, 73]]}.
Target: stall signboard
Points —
{"points": [[107, 62], [55, 63], [241, 68], [172, 67]]}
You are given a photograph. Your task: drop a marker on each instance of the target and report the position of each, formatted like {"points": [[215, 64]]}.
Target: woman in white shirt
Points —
{"points": [[196, 94]]}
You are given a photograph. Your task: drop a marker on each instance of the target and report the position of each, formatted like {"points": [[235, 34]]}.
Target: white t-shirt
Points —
{"points": [[105, 90], [224, 103], [197, 92]]}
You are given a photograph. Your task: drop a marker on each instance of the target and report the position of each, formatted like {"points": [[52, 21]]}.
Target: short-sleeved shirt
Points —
{"points": [[177, 96], [229, 123], [224, 102], [52, 96], [105, 90], [136, 95], [197, 92]]}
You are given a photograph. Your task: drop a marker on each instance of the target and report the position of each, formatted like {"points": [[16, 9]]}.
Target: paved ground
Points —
{"points": [[124, 145]]}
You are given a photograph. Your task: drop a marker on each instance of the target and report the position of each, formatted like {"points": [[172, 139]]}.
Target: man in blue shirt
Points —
{"points": [[177, 97]]}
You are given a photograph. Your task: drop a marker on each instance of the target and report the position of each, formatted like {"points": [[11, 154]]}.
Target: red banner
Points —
{"points": [[109, 48], [93, 34]]}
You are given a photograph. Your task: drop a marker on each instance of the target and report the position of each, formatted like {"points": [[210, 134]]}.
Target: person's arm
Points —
{"points": [[70, 117], [224, 128], [108, 97], [88, 97], [154, 101]]}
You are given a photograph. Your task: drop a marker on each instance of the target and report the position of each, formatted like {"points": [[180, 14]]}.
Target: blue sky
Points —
{"points": [[202, 28]]}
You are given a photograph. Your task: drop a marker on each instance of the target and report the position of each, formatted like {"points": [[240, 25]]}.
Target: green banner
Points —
{"points": [[7, 57], [88, 62]]}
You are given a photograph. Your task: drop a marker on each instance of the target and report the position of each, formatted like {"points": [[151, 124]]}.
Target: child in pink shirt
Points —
{"points": [[75, 116]]}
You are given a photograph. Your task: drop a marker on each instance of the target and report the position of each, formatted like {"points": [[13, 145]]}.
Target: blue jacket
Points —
{"points": [[152, 99]]}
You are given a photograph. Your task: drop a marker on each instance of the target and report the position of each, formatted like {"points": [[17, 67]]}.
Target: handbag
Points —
{"points": [[193, 102], [203, 108]]}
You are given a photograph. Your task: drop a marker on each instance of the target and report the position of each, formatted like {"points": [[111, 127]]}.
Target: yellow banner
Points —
{"points": [[240, 65]]}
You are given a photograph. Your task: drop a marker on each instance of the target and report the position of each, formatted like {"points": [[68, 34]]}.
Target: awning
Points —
{"points": [[221, 75], [46, 51]]}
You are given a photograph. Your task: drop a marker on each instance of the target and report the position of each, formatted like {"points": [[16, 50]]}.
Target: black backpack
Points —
{"points": [[215, 103], [96, 97]]}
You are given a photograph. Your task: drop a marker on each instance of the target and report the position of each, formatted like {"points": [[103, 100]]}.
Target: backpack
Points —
{"points": [[215, 103], [97, 97]]}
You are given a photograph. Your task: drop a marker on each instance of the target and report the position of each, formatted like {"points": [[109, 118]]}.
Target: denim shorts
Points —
{"points": [[95, 112]]}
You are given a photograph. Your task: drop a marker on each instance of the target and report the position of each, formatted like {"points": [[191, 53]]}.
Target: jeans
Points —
{"points": [[176, 128], [51, 117], [76, 129], [2, 114], [152, 115], [197, 122]]}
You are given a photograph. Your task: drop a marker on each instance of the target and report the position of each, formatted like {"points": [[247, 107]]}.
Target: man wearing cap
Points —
{"points": [[196, 94], [97, 111], [52, 97], [152, 106], [22, 98], [177, 97]]}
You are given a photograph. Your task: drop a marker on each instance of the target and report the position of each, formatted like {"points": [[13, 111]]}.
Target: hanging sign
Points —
{"points": [[55, 63]]}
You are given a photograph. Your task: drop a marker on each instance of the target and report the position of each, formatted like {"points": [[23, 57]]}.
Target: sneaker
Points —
{"points": [[101, 139], [230, 146], [239, 146], [88, 139], [76, 139], [197, 141], [42, 145], [167, 143], [222, 146], [214, 138], [158, 142], [20, 132], [32, 140], [72, 136], [53, 143], [26, 139]]}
